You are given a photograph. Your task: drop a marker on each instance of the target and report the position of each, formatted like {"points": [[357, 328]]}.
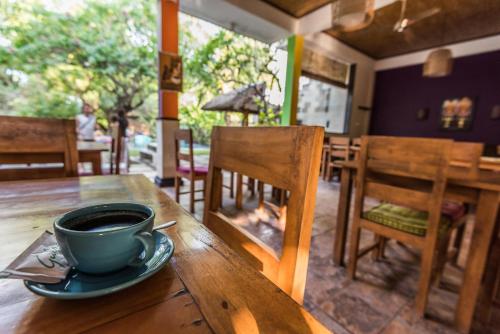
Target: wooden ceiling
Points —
{"points": [[458, 21], [298, 8]]}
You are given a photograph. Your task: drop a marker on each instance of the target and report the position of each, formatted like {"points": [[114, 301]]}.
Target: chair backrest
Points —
{"points": [[356, 141], [339, 147], [410, 172], [26, 141], [184, 135], [287, 158], [116, 148], [355, 147], [467, 155]]}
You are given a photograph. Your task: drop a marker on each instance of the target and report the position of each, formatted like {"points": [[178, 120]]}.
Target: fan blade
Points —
{"points": [[423, 15]]}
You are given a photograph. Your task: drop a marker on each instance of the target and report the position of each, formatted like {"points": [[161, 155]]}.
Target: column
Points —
{"points": [[167, 122], [293, 71]]}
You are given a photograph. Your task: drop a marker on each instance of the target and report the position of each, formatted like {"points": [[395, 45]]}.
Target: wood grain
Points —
{"points": [[25, 140], [229, 294], [416, 154], [458, 21], [186, 136], [460, 187], [298, 8], [287, 158]]}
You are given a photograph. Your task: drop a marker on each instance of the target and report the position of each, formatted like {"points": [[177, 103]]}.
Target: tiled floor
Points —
{"points": [[380, 299]]}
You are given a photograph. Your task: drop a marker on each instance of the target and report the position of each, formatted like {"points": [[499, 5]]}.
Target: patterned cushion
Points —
{"points": [[200, 170], [404, 219]]}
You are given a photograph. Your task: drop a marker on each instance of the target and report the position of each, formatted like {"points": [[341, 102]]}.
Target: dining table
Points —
{"points": [[90, 151], [481, 190], [205, 288]]}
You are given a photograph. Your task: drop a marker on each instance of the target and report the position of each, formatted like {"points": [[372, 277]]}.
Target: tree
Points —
{"points": [[225, 62], [104, 53]]}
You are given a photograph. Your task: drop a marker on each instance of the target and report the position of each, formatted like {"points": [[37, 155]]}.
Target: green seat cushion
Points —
{"points": [[403, 219]]}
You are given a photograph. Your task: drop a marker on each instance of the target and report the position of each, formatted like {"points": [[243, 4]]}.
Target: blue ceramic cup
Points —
{"points": [[104, 238]]}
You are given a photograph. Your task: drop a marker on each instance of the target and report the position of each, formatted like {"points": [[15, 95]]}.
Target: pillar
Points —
{"points": [[168, 108], [293, 71]]}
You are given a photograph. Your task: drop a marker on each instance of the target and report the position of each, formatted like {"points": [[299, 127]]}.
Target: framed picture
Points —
{"points": [[457, 114], [170, 70]]}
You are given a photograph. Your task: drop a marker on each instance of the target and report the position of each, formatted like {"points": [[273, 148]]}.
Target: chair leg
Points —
{"points": [[353, 250], [457, 244], [177, 188], [328, 172], [425, 281], [378, 252], [239, 191], [191, 195], [205, 188], [260, 188], [441, 258], [251, 186], [231, 185], [323, 165]]}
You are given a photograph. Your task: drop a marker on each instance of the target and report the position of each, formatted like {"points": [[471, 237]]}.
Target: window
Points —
{"points": [[324, 104]]}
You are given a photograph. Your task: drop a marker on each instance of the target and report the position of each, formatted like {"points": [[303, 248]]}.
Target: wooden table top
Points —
{"points": [[486, 179], [91, 146], [205, 288]]}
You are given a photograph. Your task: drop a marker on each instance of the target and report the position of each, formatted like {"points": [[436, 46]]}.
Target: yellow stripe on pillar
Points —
{"points": [[293, 72]]}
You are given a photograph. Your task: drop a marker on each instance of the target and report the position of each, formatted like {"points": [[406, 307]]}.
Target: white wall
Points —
{"points": [[363, 82]]}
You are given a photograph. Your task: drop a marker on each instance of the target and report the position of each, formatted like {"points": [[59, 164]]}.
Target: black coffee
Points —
{"points": [[105, 221]]}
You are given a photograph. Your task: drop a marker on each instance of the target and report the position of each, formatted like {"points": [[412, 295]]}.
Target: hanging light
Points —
{"points": [[439, 63], [351, 15]]}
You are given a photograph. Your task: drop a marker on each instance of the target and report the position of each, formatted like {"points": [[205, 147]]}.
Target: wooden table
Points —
{"points": [[206, 288], [90, 151], [484, 192]]}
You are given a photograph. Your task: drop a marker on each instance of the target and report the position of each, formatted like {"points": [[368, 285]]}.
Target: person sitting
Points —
{"points": [[86, 123]]}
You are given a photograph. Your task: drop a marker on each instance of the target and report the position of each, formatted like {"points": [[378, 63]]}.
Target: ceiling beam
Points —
{"points": [[254, 18], [260, 20], [477, 46]]}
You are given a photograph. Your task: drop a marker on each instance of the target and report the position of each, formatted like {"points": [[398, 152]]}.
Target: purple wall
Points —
{"points": [[400, 92]]}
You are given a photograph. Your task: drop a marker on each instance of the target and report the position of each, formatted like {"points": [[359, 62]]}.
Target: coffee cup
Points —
{"points": [[108, 237]]}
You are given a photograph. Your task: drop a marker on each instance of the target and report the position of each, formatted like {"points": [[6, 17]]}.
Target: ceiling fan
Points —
{"points": [[404, 22]]}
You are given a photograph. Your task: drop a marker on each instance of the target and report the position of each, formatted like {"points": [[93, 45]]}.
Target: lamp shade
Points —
{"points": [[351, 15], [439, 63]]}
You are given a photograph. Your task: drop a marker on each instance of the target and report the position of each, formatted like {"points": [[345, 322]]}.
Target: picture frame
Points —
{"points": [[457, 114], [170, 71]]}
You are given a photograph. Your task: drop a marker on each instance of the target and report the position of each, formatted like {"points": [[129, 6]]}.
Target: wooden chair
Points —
{"points": [[285, 157], [465, 155], [189, 171], [408, 175], [26, 142], [355, 148], [490, 296], [338, 151], [115, 155], [325, 157]]}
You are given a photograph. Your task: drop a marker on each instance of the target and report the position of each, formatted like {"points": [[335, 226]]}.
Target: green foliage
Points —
{"points": [[226, 61], [105, 53]]}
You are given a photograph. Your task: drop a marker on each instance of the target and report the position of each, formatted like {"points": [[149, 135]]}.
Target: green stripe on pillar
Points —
{"points": [[293, 70]]}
